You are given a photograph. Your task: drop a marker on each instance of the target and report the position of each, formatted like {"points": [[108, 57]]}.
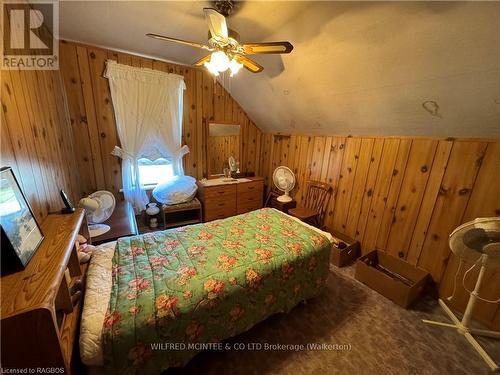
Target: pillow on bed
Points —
{"points": [[178, 190]]}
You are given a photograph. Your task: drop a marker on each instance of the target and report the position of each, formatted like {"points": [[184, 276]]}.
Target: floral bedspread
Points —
{"points": [[205, 283]]}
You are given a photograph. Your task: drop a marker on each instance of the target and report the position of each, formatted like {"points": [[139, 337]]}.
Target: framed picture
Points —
{"points": [[21, 234]]}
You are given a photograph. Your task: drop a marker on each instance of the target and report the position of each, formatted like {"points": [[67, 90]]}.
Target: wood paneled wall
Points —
{"points": [[93, 123], [220, 148], [401, 195], [36, 139]]}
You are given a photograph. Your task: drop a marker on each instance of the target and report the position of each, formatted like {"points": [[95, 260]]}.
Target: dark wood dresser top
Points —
{"points": [[122, 223]]}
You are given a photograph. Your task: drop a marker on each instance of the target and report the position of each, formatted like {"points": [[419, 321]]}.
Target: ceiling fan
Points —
{"points": [[225, 49]]}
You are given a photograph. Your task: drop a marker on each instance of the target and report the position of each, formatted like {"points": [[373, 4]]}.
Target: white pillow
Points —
{"points": [[178, 190]]}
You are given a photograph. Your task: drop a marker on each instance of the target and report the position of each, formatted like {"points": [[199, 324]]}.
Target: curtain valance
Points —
{"points": [[146, 75]]}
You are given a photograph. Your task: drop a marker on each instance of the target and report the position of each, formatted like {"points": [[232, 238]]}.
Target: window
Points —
{"points": [[154, 172]]}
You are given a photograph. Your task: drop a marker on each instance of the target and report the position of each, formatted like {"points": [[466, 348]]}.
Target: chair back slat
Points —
{"points": [[317, 197]]}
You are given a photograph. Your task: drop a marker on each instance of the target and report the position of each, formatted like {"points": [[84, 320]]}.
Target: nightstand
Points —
{"points": [[275, 203], [122, 223], [178, 215]]}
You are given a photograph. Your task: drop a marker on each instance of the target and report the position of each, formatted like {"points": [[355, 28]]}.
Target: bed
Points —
{"points": [[197, 284]]}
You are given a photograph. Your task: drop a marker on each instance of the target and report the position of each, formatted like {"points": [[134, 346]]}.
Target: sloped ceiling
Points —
{"points": [[361, 68]]}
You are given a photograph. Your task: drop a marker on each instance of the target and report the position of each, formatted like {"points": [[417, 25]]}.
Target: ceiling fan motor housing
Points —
{"points": [[224, 7], [231, 33]]}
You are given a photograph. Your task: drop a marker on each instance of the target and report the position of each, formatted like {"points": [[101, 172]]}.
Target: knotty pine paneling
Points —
{"points": [[36, 138], [484, 202], [219, 150], [401, 195], [93, 123]]}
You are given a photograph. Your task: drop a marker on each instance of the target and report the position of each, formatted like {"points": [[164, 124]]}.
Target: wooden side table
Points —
{"points": [[275, 203], [122, 223], [178, 215]]}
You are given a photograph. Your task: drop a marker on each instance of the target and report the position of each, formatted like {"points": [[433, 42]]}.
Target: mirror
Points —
{"points": [[223, 141]]}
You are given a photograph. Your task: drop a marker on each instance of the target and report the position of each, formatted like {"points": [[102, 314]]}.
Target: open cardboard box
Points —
{"points": [[347, 255], [394, 278]]}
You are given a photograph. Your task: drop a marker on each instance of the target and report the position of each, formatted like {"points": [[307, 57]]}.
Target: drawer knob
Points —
{"points": [[221, 204], [251, 187]]}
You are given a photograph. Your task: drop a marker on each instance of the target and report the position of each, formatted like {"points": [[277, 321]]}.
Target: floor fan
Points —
{"points": [[476, 242]]}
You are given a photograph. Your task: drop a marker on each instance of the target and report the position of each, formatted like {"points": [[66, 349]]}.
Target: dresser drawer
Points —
{"points": [[225, 191], [250, 196], [219, 203], [220, 211], [224, 201], [250, 186], [247, 206]]}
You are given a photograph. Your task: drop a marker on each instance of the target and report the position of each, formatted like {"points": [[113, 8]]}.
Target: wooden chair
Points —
{"points": [[315, 204], [272, 194]]}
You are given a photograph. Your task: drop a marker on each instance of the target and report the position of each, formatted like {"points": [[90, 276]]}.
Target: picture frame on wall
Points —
{"points": [[21, 235]]}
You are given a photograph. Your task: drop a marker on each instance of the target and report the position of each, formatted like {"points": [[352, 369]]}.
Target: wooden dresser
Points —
{"points": [[38, 319], [228, 199]]}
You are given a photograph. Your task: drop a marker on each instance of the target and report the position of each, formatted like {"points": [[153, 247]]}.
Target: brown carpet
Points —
{"points": [[383, 338]]}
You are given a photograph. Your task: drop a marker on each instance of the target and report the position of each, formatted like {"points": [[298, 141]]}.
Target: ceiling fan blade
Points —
{"points": [[216, 24], [202, 61], [268, 47], [180, 41], [249, 64]]}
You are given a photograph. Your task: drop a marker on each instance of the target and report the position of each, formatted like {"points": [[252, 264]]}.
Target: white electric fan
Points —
{"points": [[476, 242], [98, 206], [232, 164], [284, 180]]}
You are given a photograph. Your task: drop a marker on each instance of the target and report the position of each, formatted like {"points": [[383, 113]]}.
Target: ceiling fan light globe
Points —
{"points": [[235, 67], [211, 68], [219, 61]]}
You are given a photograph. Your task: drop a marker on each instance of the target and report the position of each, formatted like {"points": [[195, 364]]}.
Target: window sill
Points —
{"points": [[146, 187]]}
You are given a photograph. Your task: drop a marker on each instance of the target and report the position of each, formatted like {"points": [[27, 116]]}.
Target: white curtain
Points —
{"points": [[148, 111]]}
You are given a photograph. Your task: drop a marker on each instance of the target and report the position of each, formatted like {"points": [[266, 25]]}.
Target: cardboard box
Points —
{"points": [[394, 278], [344, 257]]}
